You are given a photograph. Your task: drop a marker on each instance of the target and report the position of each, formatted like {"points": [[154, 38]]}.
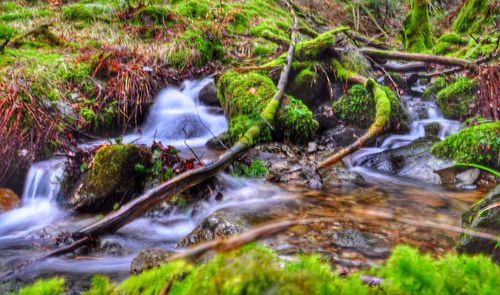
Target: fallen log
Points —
{"points": [[164, 192], [404, 68], [427, 58]]}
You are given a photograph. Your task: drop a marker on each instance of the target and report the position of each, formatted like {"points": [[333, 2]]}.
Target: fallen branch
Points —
{"points": [[405, 68], [454, 70], [42, 30], [382, 114], [427, 58], [164, 192], [366, 41]]}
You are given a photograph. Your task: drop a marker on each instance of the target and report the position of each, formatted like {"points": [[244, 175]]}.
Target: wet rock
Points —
{"points": [[421, 110], [217, 226], [362, 242], [342, 136], [325, 117], [312, 147], [484, 215], [8, 200], [432, 129], [149, 259], [112, 179], [219, 142], [112, 246], [208, 94], [310, 86], [338, 176], [412, 161], [461, 177]]}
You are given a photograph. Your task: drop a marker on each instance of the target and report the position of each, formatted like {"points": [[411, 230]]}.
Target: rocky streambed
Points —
{"points": [[396, 178]]}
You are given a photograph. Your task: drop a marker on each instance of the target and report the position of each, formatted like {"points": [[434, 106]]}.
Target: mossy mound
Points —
{"points": [[450, 42], [309, 84], [113, 178], [357, 107], [244, 96], [454, 100], [431, 91], [417, 31], [259, 270], [478, 144]]}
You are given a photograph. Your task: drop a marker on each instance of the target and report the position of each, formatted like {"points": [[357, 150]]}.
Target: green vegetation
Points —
{"points": [[478, 144], [295, 122], [454, 100], [437, 85], [417, 32], [257, 168], [87, 12], [471, 17], [53, 286], [258, 270], [358, 107]]}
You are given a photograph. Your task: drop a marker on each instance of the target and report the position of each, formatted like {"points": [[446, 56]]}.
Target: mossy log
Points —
{"points": [[382, 115]]}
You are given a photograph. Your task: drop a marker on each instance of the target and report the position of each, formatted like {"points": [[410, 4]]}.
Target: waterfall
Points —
{"points": [[43, 180]]}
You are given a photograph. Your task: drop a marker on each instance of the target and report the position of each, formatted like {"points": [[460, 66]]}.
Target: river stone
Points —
{"points": [[338, 176], [208, 94], [112, 179], [8, 200], [219, 142], [342, 136], [220, 225], [432, 129], [148, 259], [412, 161], [325, 117], [484, 215], [366, 243]]}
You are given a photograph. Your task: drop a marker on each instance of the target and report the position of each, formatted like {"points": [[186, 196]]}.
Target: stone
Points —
{"points": [[219, 142], [325, 117], [148, 259], [342, 136], [8, 200], [220, 225], [338, 176], [112, 179], [312, 147], [432, 129], [208, 94], [483, 216], [413, 161]]}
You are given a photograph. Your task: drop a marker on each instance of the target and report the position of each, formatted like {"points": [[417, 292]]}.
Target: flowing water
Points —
{"points": [[178, 118]]}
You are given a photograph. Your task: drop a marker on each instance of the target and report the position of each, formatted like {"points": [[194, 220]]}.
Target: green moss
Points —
{"points": [[195, 47], [11, 11], [471, 17], [479, 144], [113, 169], [258, 270], [436, 86], [315, 48], [53, 286], [450, 42], [263, 49], [361, 108], [417, 32], [87, 12], [158, 14], [341, 72], [296, 122], [454, 100], [193, 9], [7, 32], [257, 168]]}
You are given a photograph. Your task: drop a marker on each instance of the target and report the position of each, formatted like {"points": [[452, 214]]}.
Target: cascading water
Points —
{"points": [[422, 113]]}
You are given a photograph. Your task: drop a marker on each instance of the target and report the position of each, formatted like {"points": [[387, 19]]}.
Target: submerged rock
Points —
{"points": [[112, 180], [148, 259], [208, 94], [484, 215], [338, 176], [219, 225], [8, 200], [413, 161]]}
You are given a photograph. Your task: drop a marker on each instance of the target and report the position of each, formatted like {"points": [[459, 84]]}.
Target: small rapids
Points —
{"points": [[178, 118]]}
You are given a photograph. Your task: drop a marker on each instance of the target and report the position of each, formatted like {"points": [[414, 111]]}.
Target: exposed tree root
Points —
{"points": [[487, 103]]}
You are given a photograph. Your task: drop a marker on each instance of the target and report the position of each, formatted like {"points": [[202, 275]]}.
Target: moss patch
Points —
{"points": [[479, 144], [436, 86], [471, 16], [256, 168], [358, 107], [454, 100], [417, 32]]}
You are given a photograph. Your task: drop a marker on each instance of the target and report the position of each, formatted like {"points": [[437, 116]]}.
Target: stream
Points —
{"points": [[178, 118]]}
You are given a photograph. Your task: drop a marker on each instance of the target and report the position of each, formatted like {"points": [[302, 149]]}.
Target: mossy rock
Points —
{"points": [[482, 216], [417, 31], [310, 86], [478, 144], [454, 100], [113, 178], [244, 97], [450, 42], [431, 91], [357, 107]]}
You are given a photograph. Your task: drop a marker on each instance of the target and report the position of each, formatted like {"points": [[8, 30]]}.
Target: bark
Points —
{"points": [[427, 58], [366, 41]]}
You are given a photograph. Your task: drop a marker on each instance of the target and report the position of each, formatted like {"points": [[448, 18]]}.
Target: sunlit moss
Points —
{"points": [[454, 100]]}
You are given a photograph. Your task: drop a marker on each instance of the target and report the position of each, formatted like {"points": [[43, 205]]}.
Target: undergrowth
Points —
{"points": [[259, 270]]}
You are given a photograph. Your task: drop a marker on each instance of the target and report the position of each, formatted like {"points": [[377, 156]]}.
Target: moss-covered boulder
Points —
{"points": [[8, 200], [478, 144], [357, 107], [244, 96], [484, 215], [310, 85], [148, 259], [113, 178], [454, 100], [431, 91]]}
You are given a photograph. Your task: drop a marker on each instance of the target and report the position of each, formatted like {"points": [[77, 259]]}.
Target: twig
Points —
{"points": [[206, 127], [196, 156]]}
